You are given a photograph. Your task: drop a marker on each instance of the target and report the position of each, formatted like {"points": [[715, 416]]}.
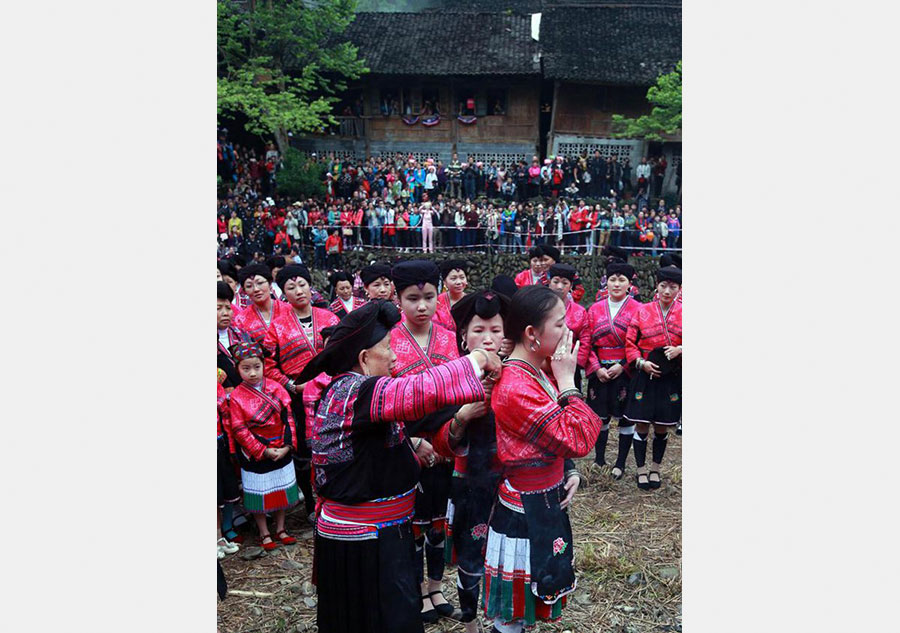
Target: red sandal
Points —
{"points": [[267, 546], [287, 539]]}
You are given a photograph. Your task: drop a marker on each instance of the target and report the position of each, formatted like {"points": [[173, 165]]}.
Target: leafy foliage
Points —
{"points": [[282, 62], [299, 177], [665, 116]]}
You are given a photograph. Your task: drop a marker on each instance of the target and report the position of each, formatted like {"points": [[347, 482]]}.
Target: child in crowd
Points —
{"points": [[264, 432]]}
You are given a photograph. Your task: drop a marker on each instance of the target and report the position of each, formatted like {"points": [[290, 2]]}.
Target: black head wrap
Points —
{"points": [[276, 261], [336, 277], [248, 272], [552, 251], [374, 271], [562, 270], [535, 251], [416, 272], [453, 264], [618, 267], [224, 291], [361, 329], [339, 275], [505, 285], [669, 259], [227, 268], [485, 303], [292, 271], [615, 251], [669, 273]]}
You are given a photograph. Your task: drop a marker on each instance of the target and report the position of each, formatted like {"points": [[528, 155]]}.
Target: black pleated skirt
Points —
{"points": [[607, 399], [368, 586], [656, 401]]}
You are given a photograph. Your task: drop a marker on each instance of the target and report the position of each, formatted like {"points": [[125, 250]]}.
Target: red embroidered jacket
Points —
{"points": [[359, 438], [261, 418], [649, 330], [576, 320], [442, 315], [250, 321], [534, 433], [288, 348], [223, 425], [607, 336], [524, 279], [337, 306], [412, 359]]}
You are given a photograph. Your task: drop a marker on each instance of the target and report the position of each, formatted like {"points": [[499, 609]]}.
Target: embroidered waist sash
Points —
{"points": [[510, 497], [363, 520]]}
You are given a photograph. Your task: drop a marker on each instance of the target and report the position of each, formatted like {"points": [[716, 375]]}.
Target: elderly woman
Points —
{"points": [[292, 339], [366, 469]]}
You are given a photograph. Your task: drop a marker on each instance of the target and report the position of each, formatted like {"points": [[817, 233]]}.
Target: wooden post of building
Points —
{"points": [[454, 123], [552, 131]]}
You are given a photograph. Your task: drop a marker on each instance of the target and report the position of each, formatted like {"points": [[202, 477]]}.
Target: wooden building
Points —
{"points": [[482, 66], [602, 59], [531, 77]]}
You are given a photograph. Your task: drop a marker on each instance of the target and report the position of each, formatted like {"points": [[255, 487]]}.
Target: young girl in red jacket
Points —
{"points": [[263, 429]]}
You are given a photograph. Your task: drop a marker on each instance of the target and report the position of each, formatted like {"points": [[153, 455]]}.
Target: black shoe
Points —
{"points": [[444, 610], [654, 483], [678, 429], [644, 486], [620, 475], [431, 616]]}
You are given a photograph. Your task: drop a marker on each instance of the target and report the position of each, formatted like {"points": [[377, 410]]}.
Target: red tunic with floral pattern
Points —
{"points": [[262, 413], [650, 328], [288, 345], [250, 320], [607, 335], [534, 433]]}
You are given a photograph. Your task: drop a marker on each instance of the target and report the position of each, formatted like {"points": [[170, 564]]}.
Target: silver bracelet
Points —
{"points": [[417, 444], [568, 393]]}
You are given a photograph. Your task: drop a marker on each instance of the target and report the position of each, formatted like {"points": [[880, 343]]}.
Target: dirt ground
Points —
{"points": [[627, 553]]}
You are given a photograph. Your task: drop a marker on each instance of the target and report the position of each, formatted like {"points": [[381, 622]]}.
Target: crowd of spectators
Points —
{"points": [[575, 203]]}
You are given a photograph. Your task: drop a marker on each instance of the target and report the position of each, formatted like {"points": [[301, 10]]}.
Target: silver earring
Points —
{"points": [[464, 346], [538, 341]]}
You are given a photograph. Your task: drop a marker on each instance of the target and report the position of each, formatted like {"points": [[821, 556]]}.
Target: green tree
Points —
{"points": [[664, 117], [299, 177], [281, 62]]}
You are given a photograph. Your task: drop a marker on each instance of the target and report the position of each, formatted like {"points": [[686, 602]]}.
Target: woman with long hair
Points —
{"points": [[479, 318], [608, 378], [653, 348], [542, 422], [419, 343], [256, 281], [342, 299], [292, 340], [453, 275]]}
